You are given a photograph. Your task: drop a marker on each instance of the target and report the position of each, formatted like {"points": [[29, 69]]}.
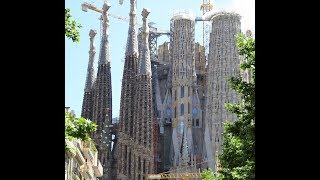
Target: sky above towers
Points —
{"points": [[77, 54]]}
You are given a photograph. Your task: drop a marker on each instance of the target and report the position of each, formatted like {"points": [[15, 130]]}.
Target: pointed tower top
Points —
{"points": [[92, 33], [90, 71], [132, 41], [145, 63], [104, 57], [145, 13], [106, 7]]}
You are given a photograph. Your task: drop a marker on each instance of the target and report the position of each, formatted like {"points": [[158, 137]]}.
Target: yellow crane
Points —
{"points": [[86, 6], [184, 176]]}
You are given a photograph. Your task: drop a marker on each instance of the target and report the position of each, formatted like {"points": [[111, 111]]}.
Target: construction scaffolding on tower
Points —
{"points": [[206, 6]]}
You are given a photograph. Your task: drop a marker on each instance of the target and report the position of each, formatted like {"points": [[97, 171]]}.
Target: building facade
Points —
{"points": [[97, 100], [81, 162], [223, 63], [171, 116], [181, 75]]}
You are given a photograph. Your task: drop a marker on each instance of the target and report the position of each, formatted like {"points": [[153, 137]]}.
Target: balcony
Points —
{"points": [[88, 154], [90, 150], [70, 153], [76, 173], [98, 170], [79, 154], [89, 171]]}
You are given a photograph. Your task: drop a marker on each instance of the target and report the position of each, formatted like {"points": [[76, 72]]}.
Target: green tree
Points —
{"points": [[207, 174], [237, 160], [78, 128], [71, 27]]}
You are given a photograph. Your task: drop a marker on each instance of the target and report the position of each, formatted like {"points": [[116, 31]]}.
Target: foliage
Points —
{"points": [[237, 160], [78, 128], [207, 174], [71, 27], [210, 175]]}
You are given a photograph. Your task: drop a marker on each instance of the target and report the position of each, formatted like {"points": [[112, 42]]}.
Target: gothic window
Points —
{"points": [[197, 122], [181, 127], [129, 162], [194, 112], [168, 111], [182, 109], [182, 91], [194, 100], [144, 166], [175, 95], [139, 163]]}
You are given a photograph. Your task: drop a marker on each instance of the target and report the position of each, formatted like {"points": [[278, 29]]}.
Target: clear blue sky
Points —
{"points": [[77, 54]]}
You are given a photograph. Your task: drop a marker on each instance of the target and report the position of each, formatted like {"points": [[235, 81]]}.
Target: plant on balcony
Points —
{"points": [[77, 128]]}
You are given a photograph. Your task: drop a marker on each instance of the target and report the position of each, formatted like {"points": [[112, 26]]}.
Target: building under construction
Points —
{"points": [[172, 96], [97, 100]]}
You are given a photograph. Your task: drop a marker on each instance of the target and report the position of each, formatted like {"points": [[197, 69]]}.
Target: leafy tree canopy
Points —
{"points": [[71, 27], [78, 128]]}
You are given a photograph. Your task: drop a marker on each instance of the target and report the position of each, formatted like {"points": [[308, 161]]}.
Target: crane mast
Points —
{"points": [[206, 6]]}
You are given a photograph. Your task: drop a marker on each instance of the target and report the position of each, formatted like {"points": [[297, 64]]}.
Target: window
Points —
{"points": [[175, 94], [188, 108], [168, 100], [197, 122], [182, 109], [194, 112], [182, 91], [168, 111], [194, 100], [175, 112], [139, 163]]}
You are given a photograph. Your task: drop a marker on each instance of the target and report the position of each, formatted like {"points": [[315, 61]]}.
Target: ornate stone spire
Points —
{"points": [[144, 62], [90, 70], [132, 41], [185, 153], [104, 57]]}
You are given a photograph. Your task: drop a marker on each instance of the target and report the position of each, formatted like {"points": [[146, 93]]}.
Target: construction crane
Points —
{"points": [[153, 35], [86, 6], [206, 6]]}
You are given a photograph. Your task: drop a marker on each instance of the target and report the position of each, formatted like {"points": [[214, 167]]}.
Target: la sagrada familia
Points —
{"points": [[172, 106]]}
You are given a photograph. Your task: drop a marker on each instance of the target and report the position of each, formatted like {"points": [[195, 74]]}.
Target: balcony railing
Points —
{"points": [[79, 147], [76, 172], [80, 156], [98, 170], [88, 154], [88, 169]]}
